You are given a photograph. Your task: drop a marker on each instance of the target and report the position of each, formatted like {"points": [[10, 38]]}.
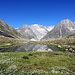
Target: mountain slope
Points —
{"points": [[40, 31], [64, 28], [26, 32], [34, 31], [8, 31]]}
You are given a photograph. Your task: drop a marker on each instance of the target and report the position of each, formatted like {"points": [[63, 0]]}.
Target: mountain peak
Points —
{"points": [[64, 28], [67, 24], [36, 25], [66, 21]]}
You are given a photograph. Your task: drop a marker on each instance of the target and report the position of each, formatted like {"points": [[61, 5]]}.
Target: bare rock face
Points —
{"points": [[8, 31], [64, 28]]}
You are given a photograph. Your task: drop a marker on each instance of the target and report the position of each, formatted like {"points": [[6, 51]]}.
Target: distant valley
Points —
{"points": [[35, 31]]}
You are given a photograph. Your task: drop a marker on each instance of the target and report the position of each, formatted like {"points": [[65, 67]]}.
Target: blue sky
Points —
{"points": [[45, 12]]}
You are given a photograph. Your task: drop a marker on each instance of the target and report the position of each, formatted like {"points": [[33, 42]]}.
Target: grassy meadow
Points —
{"points": [[37, 63]]}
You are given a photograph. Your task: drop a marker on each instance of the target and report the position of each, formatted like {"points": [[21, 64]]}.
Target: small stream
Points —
{"points": [[29, 47]]}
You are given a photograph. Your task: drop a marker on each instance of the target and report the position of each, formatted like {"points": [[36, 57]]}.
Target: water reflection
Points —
{"points": [[29, 47]]}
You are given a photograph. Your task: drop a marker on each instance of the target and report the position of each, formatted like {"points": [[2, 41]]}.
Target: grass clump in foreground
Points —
{"points": [[37, 63]]}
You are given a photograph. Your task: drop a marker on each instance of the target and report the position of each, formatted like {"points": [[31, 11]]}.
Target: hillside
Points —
{"points": [[8, 31]]}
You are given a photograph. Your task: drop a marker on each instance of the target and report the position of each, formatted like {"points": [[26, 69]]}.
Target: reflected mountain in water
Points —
{"points": [[29, 47]]}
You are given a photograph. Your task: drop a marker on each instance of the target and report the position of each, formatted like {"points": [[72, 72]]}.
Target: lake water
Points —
{"points": [[29, 47]]}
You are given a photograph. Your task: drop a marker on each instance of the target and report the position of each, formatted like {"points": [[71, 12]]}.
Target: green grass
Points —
{"points": [[36, 62]]}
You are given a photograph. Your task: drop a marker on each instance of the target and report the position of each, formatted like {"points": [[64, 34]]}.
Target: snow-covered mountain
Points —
{"points": [[40, 31], [64, 28], [34, 31]]}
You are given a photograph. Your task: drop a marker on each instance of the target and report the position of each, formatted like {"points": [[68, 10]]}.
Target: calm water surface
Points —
{"points": [[29, 47]]}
